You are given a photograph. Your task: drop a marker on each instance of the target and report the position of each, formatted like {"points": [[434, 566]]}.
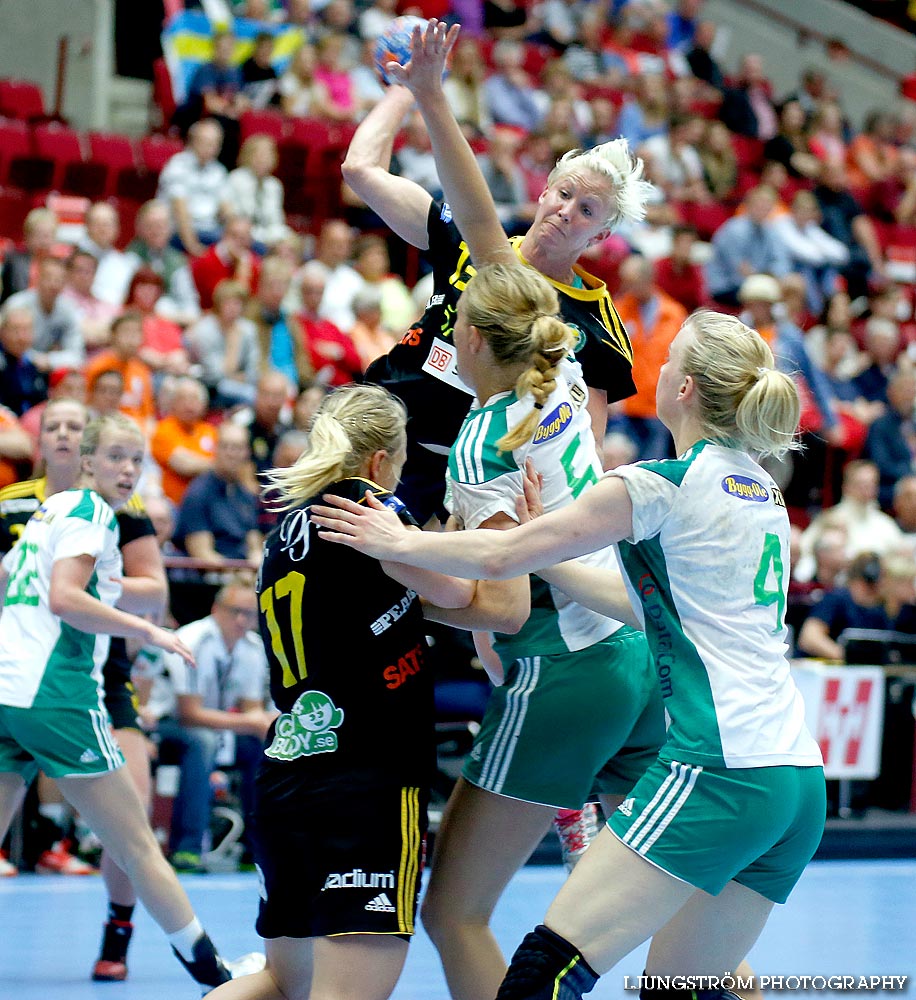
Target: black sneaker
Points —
{"points": [[111, 966], [206, 968]]}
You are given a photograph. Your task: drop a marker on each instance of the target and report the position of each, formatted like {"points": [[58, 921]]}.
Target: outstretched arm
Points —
{"points": [[462, 182], [402, 204], [602, 515]]}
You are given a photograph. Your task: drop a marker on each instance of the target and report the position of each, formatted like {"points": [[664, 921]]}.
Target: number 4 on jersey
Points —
{"points": [[771, 562]]}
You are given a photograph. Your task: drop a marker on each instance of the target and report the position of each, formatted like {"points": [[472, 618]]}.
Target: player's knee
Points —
{"points": [[546, 966], [443, 920]]}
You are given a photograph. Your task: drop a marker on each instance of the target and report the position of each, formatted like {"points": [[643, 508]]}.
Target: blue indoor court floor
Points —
{"points": [[845, 918]]}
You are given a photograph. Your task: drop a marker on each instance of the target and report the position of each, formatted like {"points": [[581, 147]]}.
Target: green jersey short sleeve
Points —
{"points": [[714, 610]]}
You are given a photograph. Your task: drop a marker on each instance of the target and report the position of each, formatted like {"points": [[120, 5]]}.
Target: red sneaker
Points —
{"points": [[59, 861], [7, 868]]}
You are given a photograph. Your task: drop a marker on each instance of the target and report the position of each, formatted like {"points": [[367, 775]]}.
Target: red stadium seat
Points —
{"points": [[749, 152], [22, 99], [264, 122], [60, 145], [114, 153], [14, 207], [310, 133], [157, 150], [15, 143]]}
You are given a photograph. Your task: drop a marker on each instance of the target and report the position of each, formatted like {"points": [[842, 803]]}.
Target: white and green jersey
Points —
{"points": [[43, 661], [708, 564], [483, 481]]}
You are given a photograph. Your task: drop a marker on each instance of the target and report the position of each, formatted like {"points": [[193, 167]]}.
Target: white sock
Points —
{"points": [[183, 941], [56, 812]]}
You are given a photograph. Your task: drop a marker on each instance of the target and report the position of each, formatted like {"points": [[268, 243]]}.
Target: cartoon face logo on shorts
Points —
{"points": [[306, 729]]}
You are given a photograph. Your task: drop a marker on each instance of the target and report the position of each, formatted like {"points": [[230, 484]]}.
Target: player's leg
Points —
{"points": [[357, 967], [12, 792], [287, 975], [482, 842], [111, 965]]}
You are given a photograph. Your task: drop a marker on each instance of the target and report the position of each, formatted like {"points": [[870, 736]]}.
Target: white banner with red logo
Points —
{"points": [[844, 709]]}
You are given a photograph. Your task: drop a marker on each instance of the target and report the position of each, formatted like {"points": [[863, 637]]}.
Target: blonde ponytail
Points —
{"points": [[351, 425]]}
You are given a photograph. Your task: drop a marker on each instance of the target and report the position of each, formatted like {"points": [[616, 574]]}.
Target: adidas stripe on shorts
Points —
{"points": [[63, 742], [343, 862], [757, 826]]}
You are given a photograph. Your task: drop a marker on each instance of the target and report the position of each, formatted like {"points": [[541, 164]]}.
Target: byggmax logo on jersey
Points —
{"points": [[745, 488], [553, 423]]}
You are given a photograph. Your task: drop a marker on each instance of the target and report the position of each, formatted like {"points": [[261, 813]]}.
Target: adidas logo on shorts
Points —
{"points": [[626, 807], [381, 904], [88, 757]]}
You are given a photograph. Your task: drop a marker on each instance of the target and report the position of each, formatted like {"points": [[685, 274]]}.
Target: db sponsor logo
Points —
{"points": [[439, 359], [553, 423], [745, 489]]}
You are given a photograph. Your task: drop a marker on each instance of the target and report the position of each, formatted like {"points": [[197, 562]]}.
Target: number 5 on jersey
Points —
{"points": [[291, 586]]}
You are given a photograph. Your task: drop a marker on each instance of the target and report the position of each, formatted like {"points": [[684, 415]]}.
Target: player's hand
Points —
{"points": [[422, 74], [528, 504], [170, 642], [372, 528]]}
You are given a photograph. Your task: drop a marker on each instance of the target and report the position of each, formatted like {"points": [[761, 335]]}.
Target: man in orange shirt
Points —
{"points": [[123, 357], [183, 442], [652, 318]]}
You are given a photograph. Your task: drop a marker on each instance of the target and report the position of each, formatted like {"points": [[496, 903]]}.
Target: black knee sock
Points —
{"points": [[546, 966], [119, 914]]}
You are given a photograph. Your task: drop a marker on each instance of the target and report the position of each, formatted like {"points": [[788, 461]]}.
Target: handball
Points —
{"points": [[393, 45]]}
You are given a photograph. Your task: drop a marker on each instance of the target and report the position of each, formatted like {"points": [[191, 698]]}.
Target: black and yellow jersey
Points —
{"points": [[349, 664], [19, 501], [421, 368]]}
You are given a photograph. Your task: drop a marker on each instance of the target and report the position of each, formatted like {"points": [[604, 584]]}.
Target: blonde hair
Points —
{"points": [[515, 310], [114, 422], [625, 171], [350, 426], [742, 397]]}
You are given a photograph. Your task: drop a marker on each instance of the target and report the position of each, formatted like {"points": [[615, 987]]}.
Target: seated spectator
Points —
{"points": [[259, 78], [680, 166], [374, 19], [123, 356], [561, 21], [370, 338], [747, 105], [584, 56], [891, 442], [218, 514], [367, 86], [855, 412], [745, 245], [217, 703], [652, 320], [334, 252], [867, 528], [301, 93], [372, 263], [225, 346], [193, 185], [882, 348], [215, 91], [151, 247], [162, 348], [254, 192], [306, 406], [677, 275], [790, 144], [63, 383], [267, 418], [508, 20], [104, 394], [813, 253], [646, 114], [858, 604], [509, 90], [814, 87], [836, 316], [20, 267], [330, 72], [700, 57], [230, 257], [183, 442], [559, 87], [279, 337], [331, 352], [904, 505], [873, 159], [464, 88], [844, 219], [506, 180], [114, 268], [827, 134], [15, 447], [57, 341], [22, 384], [720, 163], [93, 315], [414, 159]]}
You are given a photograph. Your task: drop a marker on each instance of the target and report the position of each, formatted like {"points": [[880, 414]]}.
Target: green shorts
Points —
{"points": [[758, 826], [564, 727], [63, 742]]}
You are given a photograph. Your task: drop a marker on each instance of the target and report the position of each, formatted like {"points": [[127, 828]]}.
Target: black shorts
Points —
{"points": [[345, 863], [120, 696]]}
